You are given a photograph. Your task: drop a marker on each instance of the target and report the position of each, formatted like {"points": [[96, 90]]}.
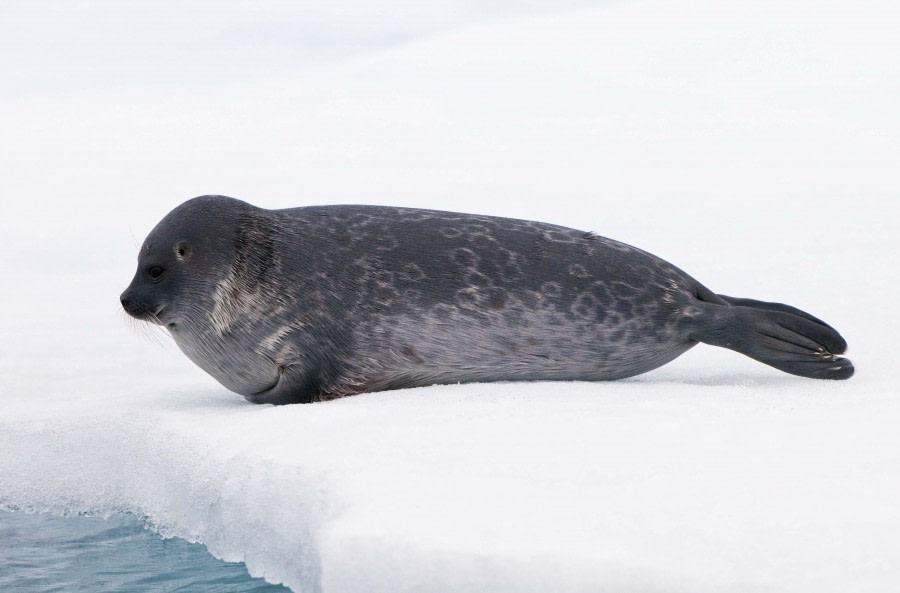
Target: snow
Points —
{"points": [[753, 144]]}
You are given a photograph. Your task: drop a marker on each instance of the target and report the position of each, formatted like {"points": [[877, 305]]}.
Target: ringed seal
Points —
{"points": [[315, 303]]}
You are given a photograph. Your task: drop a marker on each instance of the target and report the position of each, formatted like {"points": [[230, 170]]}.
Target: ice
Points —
{"points": [[753, 144]]}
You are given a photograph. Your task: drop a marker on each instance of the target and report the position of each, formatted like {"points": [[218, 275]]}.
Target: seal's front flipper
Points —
{"points": [[777, 335]]}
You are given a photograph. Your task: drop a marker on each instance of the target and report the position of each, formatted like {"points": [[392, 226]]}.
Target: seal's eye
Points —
{"points": [[155, 272]]}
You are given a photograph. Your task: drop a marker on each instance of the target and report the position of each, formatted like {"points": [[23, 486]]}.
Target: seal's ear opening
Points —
{"points": [[182, 250]]}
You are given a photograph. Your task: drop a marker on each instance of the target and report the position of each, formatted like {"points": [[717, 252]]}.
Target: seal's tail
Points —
{"points": [[778, 335]]}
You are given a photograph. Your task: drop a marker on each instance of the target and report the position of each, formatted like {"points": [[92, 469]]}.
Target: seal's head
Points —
{"points": [[190, 247]]}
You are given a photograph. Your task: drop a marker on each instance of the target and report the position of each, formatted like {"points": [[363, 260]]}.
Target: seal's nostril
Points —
{"points": [[130, 304]]}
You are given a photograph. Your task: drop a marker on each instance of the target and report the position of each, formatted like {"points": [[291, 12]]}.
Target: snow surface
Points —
{"points": [[754, 144]]}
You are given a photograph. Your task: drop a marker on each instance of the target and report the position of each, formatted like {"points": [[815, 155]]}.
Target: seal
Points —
{"points": [[314, 303]]}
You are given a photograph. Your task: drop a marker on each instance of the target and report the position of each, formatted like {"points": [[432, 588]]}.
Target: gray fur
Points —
{"points": [[315, 303]]}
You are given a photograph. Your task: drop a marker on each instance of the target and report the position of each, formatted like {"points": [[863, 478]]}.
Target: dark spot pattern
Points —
{"points": [[360, 298]]}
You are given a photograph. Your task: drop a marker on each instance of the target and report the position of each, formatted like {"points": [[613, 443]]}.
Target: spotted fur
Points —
{"points": [[315, 303]]}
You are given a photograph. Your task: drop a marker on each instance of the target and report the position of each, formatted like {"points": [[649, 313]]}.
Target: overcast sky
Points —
{"points": [[53, 44]]}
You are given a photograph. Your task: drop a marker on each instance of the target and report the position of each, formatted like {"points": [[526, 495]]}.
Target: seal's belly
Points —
{"points": [[452, 345]]}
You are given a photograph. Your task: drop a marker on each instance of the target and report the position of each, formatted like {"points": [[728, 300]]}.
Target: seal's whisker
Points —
{"points": [[156, 332], [133, 238], [146, 331]]}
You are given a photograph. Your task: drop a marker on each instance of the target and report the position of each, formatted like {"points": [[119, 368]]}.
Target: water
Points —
{"points": [[47, 554]]}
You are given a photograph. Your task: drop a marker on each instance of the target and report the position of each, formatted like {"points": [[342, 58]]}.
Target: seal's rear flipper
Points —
{"points": [[777, 335], [754, 304]]}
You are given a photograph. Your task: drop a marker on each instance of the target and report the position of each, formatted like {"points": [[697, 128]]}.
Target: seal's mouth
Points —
{"points": [[142, 311], [155, 318]]}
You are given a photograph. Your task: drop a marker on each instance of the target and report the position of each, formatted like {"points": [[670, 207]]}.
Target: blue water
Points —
{"points": [[48, 554]]}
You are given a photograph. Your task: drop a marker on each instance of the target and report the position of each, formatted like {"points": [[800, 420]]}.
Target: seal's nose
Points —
{"points": [[128, 302]]}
